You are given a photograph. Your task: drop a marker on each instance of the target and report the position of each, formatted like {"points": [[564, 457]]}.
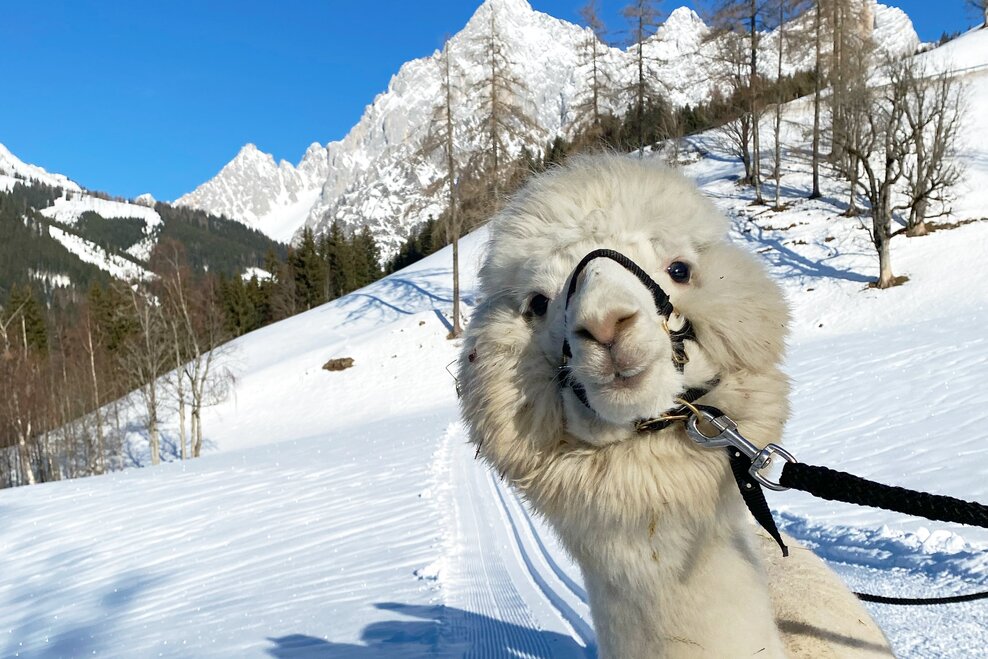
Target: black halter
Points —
{"points": [[752, 494], [664, 308]]}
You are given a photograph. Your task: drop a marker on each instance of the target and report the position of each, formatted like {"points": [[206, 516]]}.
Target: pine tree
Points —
{"points": [[309, 270], [333, 248]]}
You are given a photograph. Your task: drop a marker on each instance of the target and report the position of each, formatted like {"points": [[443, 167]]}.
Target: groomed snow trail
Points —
{"points": [[506, 593]]}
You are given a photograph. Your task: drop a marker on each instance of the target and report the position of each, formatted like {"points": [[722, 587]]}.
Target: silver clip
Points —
{"points": [[728, 435]]}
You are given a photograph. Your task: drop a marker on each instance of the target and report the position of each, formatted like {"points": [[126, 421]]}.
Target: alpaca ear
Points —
{"points": [[740, 314]]}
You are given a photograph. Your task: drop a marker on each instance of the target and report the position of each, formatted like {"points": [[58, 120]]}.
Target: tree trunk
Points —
{"points": [[182, 437], [152, 408], [778, 109], [641, 90], [756, 170], [97, 412], [817, 73], [197, 425], [885, 277], [457, 331], [917, 219], [27, 471]]}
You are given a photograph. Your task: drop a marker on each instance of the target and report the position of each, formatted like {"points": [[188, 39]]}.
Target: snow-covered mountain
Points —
{"points": [[61, 216], [272, 197], [376, 176], [14, 170]]}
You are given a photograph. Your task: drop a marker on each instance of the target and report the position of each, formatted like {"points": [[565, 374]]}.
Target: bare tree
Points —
{"points": [[643, 18], [877, 123], [97, 412], [442, 139], [850, 25], [850, 117], [454, 215], [933, 111], [502, 96], [197, 332], [782, 10], [746, 17], [20, 389], [146, 356], [818, 27], [732, 53]]}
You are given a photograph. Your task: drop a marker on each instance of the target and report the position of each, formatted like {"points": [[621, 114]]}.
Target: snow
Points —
{"points": [[342, 513], [254, 271], [68, 208], [12, 167], [88, 252], [51, 279], [146, 199]]}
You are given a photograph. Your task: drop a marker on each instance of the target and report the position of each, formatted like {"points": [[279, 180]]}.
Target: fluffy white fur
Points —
{"points": [[672, 564]]}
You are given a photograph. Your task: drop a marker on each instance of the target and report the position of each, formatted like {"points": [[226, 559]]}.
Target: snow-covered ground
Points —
{"points": [[341, 514]]}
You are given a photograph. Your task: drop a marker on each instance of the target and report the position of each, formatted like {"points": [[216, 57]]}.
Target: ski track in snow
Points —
{"points": [[492, 572]]}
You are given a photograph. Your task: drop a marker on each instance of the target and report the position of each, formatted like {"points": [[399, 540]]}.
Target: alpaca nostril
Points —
{"points": [[605, 329]]}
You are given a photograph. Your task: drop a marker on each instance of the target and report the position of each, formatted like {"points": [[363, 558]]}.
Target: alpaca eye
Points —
{"points": [[679, 271], [537, 306]]}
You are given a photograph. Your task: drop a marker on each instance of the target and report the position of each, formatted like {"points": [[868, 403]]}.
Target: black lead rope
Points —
{"points": [[839, 486], [748, 460]]}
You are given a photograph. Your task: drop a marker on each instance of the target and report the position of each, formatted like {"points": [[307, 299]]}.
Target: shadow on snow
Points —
{"points": [[435, 631]]}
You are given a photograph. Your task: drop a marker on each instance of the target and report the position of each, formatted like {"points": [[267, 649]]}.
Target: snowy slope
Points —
{"points": [[342, 514], [13, 169], [375, 175]]}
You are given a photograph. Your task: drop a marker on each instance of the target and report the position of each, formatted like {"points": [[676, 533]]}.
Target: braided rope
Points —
{"points": [[839, 486]]}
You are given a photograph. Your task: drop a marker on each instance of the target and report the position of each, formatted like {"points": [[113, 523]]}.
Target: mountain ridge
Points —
{"points": [[375, 176]]}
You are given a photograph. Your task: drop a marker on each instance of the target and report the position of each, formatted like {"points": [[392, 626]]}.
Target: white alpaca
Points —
{"points": [[672, 564]]}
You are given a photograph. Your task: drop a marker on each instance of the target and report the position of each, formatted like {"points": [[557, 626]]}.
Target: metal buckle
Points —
{"points": [[763, 460], [728, 435]]}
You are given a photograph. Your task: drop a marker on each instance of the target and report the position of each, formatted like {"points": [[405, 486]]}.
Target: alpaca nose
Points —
{"points": [[603, 328]]}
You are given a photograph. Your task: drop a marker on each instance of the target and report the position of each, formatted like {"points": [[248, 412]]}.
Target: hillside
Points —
{"points": [[58, 236], [342, 514], [376, 176]]}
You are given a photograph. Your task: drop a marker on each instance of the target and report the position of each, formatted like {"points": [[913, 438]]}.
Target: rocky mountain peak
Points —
{"points": [[377, 175]]}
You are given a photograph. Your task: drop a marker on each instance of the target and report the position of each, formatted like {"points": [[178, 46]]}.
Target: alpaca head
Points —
{"points": [[622, 351]]}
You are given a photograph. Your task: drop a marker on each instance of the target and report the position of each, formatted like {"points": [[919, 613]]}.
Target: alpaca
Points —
{"points": [[672, 564]]}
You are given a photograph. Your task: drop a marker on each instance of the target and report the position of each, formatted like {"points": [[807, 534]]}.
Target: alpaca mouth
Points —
{"points": [[628, 379], [622, 397]]}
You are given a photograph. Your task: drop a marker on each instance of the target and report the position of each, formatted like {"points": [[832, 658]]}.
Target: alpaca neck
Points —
{"points": [[682, 589]]}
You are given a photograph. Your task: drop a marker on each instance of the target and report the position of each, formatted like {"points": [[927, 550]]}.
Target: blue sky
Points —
{"points": [[130, 97]]}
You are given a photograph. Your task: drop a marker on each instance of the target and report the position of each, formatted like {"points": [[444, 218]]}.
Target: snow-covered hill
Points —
{"points": [[375, 175], [14, 170], [61, 215], [342, 513]]}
